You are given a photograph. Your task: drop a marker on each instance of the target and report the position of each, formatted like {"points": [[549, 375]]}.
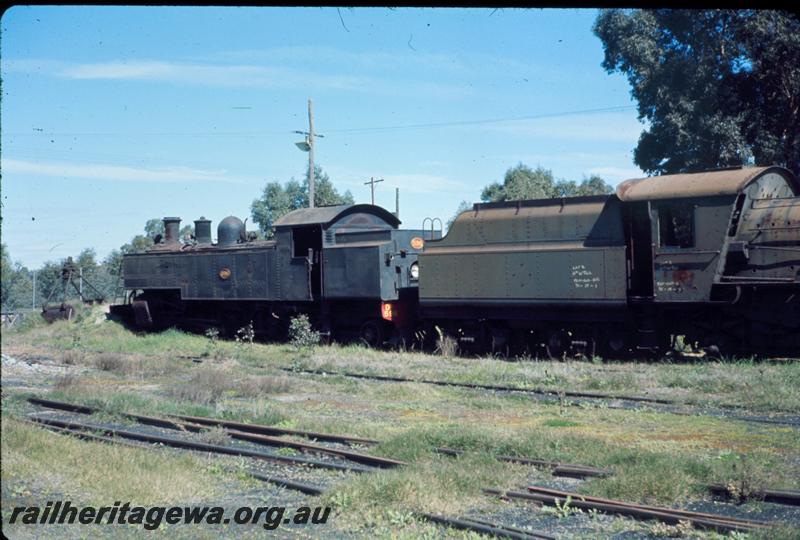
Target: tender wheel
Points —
{"points": [[371, 333], [557, 344]]}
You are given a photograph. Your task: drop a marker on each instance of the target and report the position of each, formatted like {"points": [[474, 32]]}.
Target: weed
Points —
{"points": [[111, 362], [562, 510], [301, 334], [215, 435], [72, 357], [67, 381], [446, 345], [246, 334], [747, 480], [681, 529]]}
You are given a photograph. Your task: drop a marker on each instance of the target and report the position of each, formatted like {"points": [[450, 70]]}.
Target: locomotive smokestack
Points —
{"points": [[172, 226], [202, 230]]}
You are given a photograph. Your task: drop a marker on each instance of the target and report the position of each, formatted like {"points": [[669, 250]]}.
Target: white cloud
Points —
{"points": [[98, 171], [235, 75], [389, 61]]}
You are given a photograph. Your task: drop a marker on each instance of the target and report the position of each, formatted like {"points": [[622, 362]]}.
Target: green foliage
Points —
{"points": [[301, 334], [718, 87], [521, 182], [17, 285], [279, 199]]}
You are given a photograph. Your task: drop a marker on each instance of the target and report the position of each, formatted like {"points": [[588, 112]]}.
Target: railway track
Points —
{"points": [[719, 523], [255, 434], [535, 494], [119, 436], [665, 405]]}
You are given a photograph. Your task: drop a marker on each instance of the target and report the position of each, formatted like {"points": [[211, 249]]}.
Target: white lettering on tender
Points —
{"points": [[583, 278]]}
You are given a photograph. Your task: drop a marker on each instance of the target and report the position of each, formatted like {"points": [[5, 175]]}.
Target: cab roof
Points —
{"points": [[328, 215], [702, 184]]}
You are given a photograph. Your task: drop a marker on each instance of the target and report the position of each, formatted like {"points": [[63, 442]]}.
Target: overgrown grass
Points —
{"points": [[98, 473], [208, 385], [436, 484]]}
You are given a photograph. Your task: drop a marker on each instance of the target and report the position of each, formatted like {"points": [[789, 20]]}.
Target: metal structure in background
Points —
{"points": [[64, 310]]}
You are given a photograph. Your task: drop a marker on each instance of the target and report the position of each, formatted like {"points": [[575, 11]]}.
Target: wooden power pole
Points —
{"points": [[310, 155], [372, 183], [308, 146]]}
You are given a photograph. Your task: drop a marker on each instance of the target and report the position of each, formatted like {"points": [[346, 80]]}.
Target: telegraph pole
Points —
{"points": [[308, 146], [372, 183], [33, 300], [310, 155]]}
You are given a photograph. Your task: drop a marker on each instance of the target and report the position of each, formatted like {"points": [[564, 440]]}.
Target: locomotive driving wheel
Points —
{"points": [[371, 333]]}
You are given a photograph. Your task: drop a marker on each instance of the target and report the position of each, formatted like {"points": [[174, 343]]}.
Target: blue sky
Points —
{"points": [[114, 115]]}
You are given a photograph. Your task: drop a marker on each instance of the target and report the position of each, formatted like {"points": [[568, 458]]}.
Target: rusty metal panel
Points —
{"points": [[704, 184], [766, 245]]}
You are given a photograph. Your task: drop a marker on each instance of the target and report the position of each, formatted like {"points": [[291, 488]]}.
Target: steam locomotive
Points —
{"points": [[712, 256]]}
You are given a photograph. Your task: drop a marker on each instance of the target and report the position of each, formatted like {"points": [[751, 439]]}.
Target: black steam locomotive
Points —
{"points": [[713, 256]]}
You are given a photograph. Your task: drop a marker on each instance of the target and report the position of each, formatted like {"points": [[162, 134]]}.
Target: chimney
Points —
{"points": [[202, 230], [172, 226]]}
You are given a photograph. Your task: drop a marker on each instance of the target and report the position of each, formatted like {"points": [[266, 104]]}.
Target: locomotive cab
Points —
{"points": [[725, 254]]}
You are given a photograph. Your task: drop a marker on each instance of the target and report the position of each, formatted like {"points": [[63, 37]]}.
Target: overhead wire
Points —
{"points": [[428, 125]]}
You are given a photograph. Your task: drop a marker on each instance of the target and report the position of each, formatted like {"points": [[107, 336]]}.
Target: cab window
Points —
{"points": [[676, 224]]}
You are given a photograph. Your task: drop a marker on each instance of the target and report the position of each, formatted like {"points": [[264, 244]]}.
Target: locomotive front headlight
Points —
{"points": [[414, 271]]}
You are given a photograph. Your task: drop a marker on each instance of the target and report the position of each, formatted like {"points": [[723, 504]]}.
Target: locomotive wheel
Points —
{"points": [[616, 346], [371, 333], [557, 344], [718, 346]]}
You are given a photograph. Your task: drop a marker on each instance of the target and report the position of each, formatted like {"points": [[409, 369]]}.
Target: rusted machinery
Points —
{"points": [[64, 310]]}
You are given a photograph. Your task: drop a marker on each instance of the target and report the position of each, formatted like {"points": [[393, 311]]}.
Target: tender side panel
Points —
{"points": [[565, 252]]}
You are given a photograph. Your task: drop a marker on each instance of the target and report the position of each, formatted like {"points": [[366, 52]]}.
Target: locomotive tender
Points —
{"points": [[713, 256]]}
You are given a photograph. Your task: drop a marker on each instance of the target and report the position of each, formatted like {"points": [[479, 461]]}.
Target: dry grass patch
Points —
{"points": [[210, 384], [111, 362], [97, 472]]}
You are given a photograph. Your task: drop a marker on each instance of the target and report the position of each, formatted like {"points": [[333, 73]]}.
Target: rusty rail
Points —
{"points": [[667, 515], [200, 446], [199, 423], [541, 391]]}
